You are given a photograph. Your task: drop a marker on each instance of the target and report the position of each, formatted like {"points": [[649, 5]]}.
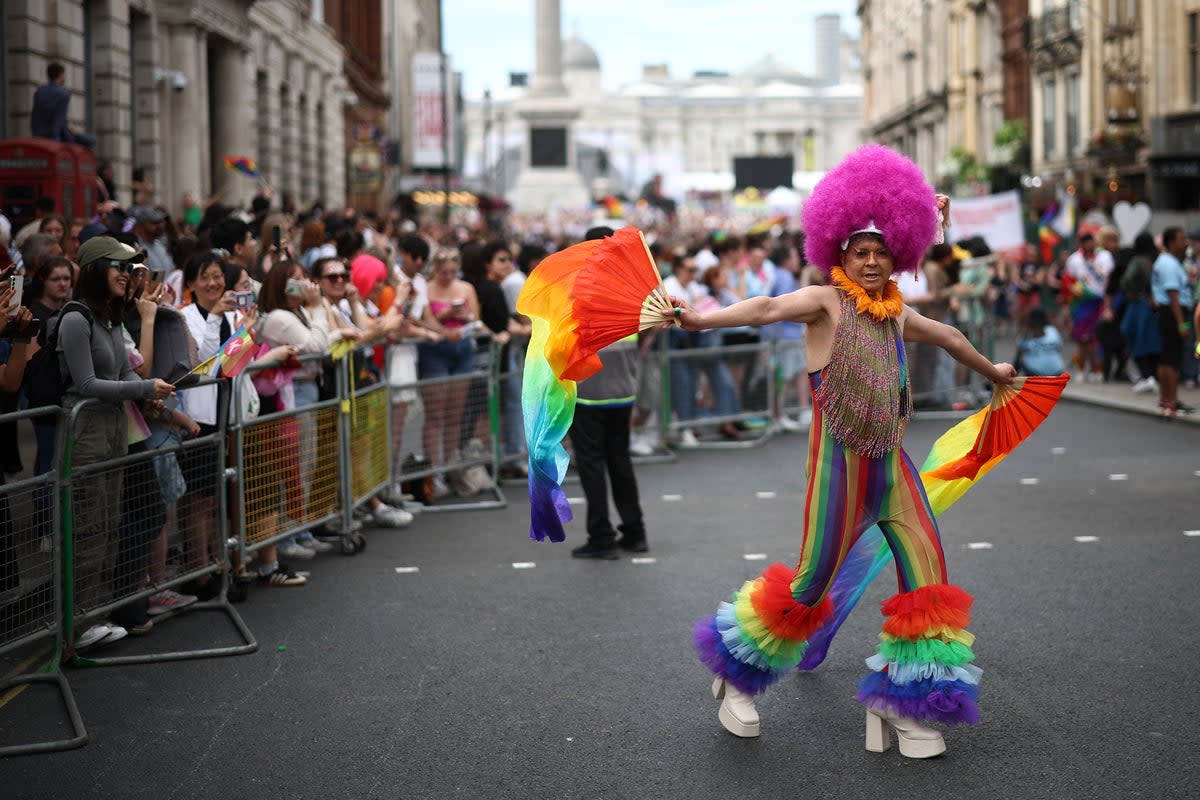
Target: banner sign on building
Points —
{"points": [[995, 217], [430, 141]]}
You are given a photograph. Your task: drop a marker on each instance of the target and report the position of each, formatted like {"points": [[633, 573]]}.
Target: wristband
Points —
{"points": [[1184, 327]]}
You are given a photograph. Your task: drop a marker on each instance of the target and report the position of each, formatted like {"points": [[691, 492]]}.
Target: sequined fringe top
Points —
{"points": [[864, 393]]}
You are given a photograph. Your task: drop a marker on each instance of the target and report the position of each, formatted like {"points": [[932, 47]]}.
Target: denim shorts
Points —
{"points": [[445, 358]]}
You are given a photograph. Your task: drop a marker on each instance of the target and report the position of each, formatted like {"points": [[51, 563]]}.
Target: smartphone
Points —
{"points": [[457, 304], [243, 299], [17, 282], [277, 233], [294, 287]]}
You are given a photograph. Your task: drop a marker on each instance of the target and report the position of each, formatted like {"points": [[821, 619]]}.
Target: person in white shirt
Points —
{"points": [[1089, 267]]}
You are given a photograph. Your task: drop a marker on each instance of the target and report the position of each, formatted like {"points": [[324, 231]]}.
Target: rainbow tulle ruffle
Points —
{"points": [[923, 667], [760, 634]]}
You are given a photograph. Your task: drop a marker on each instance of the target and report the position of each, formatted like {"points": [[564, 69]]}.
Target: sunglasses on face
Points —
{"points": [[124, 266], [335, 276]]}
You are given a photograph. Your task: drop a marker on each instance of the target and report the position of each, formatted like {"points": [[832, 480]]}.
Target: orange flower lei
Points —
{"points": [[891, 305]]}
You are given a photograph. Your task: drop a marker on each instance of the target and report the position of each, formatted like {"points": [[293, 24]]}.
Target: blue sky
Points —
{"points": [[490, 38]]}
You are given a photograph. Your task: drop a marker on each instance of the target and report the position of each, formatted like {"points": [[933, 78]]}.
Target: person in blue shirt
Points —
{"points": [[1039, 350], [49, 117], [1172, 294]]}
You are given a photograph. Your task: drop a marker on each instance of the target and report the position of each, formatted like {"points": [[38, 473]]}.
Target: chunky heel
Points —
{"points": [[913, 738], [737, 713], [878, 737]]}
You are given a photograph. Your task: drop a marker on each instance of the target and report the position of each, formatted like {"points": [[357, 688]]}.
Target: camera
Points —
{"points": [[243, 299]]}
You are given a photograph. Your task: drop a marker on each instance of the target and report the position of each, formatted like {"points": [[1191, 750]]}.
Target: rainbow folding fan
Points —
{"points": [[580, 300]]}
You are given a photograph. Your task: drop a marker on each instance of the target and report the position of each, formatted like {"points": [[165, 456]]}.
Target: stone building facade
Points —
{"points": [[173, 86]]}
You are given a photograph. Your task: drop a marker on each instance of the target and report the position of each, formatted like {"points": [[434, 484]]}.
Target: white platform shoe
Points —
{"points": [[916, 741], [737, 713]]}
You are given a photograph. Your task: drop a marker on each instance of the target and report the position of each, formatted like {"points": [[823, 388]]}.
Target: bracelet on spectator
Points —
{"points": [[1184, 327]]}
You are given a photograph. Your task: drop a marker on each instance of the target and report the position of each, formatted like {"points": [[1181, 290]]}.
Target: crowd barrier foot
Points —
{"points": [[473, 503], [222, 604], [80, 737]]}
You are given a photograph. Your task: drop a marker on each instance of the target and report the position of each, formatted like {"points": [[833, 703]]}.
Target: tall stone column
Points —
{"points": [[547, 81], [231, 129], [550, 178], [186, 139]]}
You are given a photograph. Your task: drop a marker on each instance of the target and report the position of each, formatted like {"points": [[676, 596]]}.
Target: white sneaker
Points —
{"points": [[1146, 386], [440, 489], [688, 438], [92, 635], [295, 550], [806, 418], [639, 446], [387, 517], [1095, 377], [788, 424], [307, 539]]}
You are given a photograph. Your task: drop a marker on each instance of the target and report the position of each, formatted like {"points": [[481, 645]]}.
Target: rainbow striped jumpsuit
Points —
{"points": [[922, 668]]}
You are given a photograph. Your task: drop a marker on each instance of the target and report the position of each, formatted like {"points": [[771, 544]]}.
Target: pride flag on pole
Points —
{"points": [[237, 352]]}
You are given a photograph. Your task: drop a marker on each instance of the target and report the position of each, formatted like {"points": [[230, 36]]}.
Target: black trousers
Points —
{"points": [[600, 437]]}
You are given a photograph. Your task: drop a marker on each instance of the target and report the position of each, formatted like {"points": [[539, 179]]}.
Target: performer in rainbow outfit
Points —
{"points": [[870, 216]]}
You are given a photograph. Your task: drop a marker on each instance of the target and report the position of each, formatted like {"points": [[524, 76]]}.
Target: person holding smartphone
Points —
{"points": [[91, 350]]}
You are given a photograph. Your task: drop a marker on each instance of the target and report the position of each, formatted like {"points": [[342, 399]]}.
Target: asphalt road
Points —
{"points": [[568, 679]]}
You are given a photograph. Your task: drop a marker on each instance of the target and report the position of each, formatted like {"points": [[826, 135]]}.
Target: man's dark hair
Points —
{"points": [[598, 232], [492, 248], [415, 246], [1169, 234], [45, 204], [228, 233], [260, 204], [55, 70]]}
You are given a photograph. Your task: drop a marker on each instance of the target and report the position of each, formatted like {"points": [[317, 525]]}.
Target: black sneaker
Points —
{"points": [[633, 545], [1183, 408], [604, 552]]}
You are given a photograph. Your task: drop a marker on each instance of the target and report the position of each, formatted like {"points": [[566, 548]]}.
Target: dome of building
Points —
{"points": [[579, 55]]}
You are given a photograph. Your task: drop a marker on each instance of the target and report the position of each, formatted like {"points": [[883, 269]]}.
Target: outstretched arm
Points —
{"points": [[802, 305], [918, 328]]}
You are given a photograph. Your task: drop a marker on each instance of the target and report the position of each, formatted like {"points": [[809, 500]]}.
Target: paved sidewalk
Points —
{"points": [[1120, 396]]}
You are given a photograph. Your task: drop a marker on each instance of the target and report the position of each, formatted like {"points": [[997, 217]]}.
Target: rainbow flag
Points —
{"points": [[237, 351], [243, 165], [1048, 238]]}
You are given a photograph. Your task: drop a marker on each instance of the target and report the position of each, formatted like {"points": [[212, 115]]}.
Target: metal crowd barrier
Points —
{"points": [[136, 525], [291, 463], [31, 587], [707, 387], [457, 463]]}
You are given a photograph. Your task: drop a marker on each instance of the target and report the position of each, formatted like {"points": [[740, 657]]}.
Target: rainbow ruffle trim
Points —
{"points": [[761, 633], [923, 667]]}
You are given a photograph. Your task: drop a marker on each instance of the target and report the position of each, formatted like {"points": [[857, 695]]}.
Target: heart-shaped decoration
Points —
{"points": [[1131, 219]]}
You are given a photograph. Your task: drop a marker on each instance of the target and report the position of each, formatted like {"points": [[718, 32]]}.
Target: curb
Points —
{"points": [[1129, 406]]}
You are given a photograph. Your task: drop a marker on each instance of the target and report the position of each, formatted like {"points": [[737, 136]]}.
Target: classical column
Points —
{"points": [[232, 131], [186, 138], [547, 81], [549, 178]]}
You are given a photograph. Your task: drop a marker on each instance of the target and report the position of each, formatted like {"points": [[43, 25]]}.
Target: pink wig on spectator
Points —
{"points": [[367, 272], [874, 188]]}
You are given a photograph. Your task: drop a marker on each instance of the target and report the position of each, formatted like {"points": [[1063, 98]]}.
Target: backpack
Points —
{"points": [[44, 381]]}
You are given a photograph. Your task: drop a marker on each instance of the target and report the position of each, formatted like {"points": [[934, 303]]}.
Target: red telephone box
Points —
{"points": [[31, 168]]}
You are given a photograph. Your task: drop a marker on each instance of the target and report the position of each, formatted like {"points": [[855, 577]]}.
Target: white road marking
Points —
{"points": [[1057, 451], [755, 556], [1191, 533], [1197, 473], [765, 495], [405, 570], [643, 560], [979, 545], [1086, 539], [524, 564], [1029, 481], [1118, 476], [672, 498], [575, 501]]}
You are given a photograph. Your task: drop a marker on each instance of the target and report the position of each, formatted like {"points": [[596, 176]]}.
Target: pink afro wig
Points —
{"points": [[872, 184]]}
